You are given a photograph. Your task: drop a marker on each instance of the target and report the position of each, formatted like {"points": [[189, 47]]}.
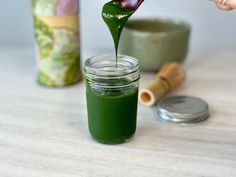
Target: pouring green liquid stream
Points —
{"points": [[116, 14]]}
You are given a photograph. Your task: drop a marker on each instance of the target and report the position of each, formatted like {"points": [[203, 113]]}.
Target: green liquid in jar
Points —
{"points": [[112, 115]]}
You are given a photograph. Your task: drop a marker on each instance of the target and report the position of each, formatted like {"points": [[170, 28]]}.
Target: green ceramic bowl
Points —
{"points": [[155, 41]]}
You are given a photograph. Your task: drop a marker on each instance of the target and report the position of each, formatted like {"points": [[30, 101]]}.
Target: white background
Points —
{"points": [[211, 28]]}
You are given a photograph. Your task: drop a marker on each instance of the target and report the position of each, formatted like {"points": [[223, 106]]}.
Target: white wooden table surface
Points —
{"points": [[43, 132]]}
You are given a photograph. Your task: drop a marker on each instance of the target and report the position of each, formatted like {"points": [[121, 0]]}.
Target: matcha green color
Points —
{"points": [[112, 114], [155, 42], [115, 17], [112, 94]]}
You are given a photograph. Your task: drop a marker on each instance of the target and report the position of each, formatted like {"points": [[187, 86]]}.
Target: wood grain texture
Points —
{"points": [[43, 131]]}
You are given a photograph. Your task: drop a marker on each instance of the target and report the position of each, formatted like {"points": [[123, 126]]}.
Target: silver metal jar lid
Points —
{"points": [[183, 109]]}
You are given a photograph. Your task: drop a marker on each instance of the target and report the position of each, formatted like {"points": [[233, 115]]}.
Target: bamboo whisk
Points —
{"points": [[168, 79]]}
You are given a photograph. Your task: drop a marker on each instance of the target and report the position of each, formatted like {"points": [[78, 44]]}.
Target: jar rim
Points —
{"points": [[106, 66]]}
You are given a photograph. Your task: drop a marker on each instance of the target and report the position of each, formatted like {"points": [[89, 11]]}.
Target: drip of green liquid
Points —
{"points": [[115, 16]]}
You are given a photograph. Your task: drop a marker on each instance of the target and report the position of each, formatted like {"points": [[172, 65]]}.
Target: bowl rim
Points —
{"points": [[186, 25]]}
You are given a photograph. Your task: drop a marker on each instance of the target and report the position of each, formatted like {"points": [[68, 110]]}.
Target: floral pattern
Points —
{"points": [[57, 49]]}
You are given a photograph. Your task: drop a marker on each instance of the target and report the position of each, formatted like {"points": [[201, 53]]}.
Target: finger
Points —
{"points": [[231, 3], [219, 1], [222, 2], [223, 7]]}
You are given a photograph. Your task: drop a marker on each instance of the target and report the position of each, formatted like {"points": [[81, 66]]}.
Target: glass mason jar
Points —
{"points": [[112, 94], [57, 41]]}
